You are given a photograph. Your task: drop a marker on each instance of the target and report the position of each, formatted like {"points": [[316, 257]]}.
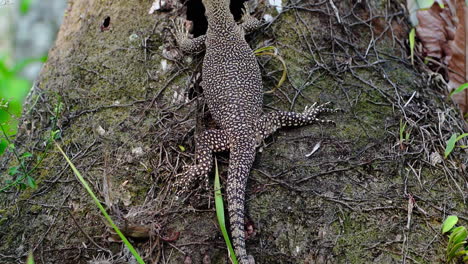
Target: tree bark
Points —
{"points": [[375, 191]]}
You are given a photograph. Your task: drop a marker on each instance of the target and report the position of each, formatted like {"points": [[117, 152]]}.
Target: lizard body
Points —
{"points": [[232, 87]]}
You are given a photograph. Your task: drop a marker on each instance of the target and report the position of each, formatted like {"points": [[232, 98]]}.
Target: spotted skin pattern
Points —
{"points": [[232, 86]]}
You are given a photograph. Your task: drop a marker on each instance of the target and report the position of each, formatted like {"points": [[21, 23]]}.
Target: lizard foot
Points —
{"points": [[313, 111], [186, 180], [185, 41], [249, 23], [180, 30]]}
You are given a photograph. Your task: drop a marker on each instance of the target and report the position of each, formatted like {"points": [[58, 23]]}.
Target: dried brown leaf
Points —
{"points": [[432, 31], [442, 32], [458, 65]]}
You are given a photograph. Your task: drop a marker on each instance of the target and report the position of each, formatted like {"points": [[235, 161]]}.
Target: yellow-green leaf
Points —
{"points": [[459, 89], [412, 40], [30, 259], [450, 145], [450, 222]]}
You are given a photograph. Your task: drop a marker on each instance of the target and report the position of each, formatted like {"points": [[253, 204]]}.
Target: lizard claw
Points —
{"points": [[179, 30], [186, 179], [313, 111], [249, 23], [245, 11]]}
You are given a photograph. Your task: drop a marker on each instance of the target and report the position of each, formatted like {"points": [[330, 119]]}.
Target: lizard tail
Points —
{"points": [[240, 161]]}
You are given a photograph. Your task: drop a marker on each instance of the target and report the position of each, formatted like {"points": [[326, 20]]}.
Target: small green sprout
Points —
{"points": [[451, 143], [30, 259], [456, 240], [412, 40], [459, 89]]}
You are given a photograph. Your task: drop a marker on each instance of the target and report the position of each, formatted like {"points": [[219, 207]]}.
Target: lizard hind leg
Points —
{"points": [[207, 143], [272, 121]]}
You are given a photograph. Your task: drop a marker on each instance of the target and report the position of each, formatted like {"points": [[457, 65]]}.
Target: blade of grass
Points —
{"points": [[101, 208], [459, 89], [30, 259], [263, 51], [412, 40], [450, 145], [220, 214]]}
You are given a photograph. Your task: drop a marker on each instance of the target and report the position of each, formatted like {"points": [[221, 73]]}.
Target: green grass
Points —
{"points": [[451, 143], [101, 208], [220, 214]]}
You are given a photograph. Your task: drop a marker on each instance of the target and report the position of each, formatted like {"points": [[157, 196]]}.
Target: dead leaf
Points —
{"points": [[458, 65], [442, 32], [433, 32]]}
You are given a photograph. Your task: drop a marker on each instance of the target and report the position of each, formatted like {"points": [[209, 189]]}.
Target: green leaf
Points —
{"points": [[21, 186], [26, 155], [220, 214], [30, 259], [402, 129], [55, 134], [450, 222], [454, 232], [450, 145], [25, 6], [454, 237], [459, 237], [265, 49], [462, 136], [412, 40], [13, 170], [461, 253], [459, 89], [31, 182], [452, 141], [182, 148], [3, 145], [451, 254]]}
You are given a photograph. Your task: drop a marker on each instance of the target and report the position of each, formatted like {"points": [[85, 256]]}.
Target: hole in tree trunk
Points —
{"points": [[196, 14]]}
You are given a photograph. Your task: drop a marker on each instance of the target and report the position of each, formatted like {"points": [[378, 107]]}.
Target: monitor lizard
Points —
{"points": [[233, 91]]}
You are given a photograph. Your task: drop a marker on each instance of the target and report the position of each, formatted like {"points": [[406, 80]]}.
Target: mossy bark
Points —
{"points": [[366, 195]]}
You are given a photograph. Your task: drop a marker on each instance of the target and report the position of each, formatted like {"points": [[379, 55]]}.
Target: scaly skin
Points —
{"points": [[232, 86]]}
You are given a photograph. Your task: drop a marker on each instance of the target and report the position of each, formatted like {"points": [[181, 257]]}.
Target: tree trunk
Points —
{"points": [[375, 191]]}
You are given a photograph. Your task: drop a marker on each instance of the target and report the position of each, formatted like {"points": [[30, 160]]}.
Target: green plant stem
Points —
{"points": [[99, 205], [14, 149], [25, 172]]}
